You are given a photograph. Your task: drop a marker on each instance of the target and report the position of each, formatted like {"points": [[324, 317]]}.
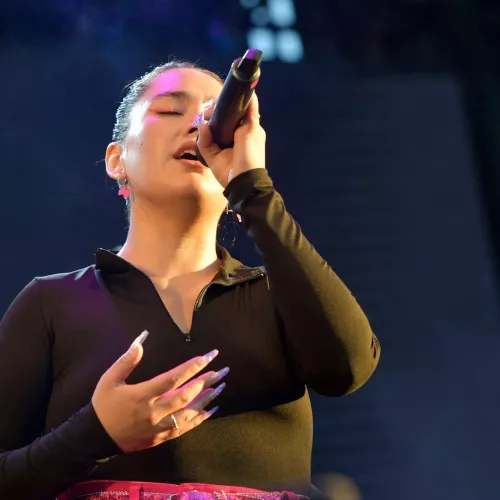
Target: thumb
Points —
{"points": [[208, 148], [118, 372]]}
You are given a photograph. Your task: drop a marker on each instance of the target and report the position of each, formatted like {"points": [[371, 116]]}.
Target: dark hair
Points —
{"points": [[136, 89]]}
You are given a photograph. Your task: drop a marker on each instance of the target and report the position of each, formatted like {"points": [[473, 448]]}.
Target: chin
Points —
{"points": [[203, 186], [204, 194]]}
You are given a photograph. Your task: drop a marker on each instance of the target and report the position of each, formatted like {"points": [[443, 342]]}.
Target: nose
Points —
{"points": [[193, 129]]}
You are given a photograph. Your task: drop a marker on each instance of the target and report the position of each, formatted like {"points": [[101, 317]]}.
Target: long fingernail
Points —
{"points": [[211, 355], [212, 411], [218, 390], [207, 104], [219, 375], [199, 119], [141, 338]]}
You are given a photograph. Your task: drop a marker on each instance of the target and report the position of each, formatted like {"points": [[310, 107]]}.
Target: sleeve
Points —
{"points": [[33, 465], [327, 333]]}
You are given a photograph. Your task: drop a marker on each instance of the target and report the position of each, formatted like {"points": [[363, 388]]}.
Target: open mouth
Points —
{"points": [[188, 155]]}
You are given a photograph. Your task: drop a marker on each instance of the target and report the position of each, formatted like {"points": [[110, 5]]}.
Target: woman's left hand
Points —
{"points": [[247, 153]]}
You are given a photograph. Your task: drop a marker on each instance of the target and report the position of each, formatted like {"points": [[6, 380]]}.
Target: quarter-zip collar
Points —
{"points": [[233, 272], [126, 279]]}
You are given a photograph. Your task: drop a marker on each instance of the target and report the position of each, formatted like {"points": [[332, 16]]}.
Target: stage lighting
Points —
{"points": [[272, 30]]}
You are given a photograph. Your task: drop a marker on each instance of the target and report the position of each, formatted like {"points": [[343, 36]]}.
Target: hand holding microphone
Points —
{"points": [[233, 141]]}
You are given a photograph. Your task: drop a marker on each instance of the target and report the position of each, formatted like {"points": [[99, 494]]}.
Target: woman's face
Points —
{"points": [[162, 128]]}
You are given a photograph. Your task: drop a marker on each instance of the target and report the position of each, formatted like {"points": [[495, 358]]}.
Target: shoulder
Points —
{"points": [[43, 294], [59, 281], [79, 275], [64, 283]]}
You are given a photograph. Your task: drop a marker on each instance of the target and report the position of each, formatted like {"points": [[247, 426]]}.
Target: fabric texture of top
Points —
{"points": [[282, 328]]}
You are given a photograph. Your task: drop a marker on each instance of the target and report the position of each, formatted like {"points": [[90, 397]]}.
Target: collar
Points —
{"points": [[231, 272]]}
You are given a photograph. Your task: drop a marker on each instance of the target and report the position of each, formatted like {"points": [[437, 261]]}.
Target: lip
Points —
{"points": [[192, 163], [188, 145]]}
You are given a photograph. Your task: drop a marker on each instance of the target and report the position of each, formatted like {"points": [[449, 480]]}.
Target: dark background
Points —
{"points": [[383, 140]]}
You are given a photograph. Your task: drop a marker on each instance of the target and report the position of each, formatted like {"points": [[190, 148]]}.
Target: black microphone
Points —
{"points": [[234, 99]]}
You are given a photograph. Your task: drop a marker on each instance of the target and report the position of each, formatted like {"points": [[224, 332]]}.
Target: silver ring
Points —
{"points": [[176, 425]]}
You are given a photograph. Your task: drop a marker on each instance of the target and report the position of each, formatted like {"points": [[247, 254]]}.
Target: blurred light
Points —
{"points": [[339, 487], [249, 4], [262, 39], [289, 46], [282, 12], [259, 16]]}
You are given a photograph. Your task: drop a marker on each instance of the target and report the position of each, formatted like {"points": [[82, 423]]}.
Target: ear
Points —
{"points": [[114, 162]]}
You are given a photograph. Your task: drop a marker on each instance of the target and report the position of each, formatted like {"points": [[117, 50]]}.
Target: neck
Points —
{"points": [[174, 245]]}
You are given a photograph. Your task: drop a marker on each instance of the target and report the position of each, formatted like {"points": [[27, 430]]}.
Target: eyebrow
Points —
{"points": [[180, 95]]}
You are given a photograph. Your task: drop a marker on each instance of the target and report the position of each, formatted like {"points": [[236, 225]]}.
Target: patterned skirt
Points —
{"points": [[135, 490]]}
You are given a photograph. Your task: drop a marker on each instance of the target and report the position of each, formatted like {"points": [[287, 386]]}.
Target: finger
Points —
{"points": [[118, 372], [208, 148], [206, 397], [184, 415], [252, 116], [211, 378], [177, 376], [199, 419], [205, 139], [186, 420], [190, 393], [208, 108], [179, 398]]}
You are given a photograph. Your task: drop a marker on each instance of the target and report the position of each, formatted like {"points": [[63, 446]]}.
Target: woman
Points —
{"points": [[278, 329]]}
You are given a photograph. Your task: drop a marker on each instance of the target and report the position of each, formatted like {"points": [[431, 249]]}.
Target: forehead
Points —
{"points": [[192, 81]]}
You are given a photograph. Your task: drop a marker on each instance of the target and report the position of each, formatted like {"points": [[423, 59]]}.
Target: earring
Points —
{"points": [[124, 189]]}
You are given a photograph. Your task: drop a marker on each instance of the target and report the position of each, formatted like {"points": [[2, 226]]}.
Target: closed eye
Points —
{"points": [[168, 113]]}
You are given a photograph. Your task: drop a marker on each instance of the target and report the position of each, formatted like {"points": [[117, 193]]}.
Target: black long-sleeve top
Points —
{"points": [[282, 328]]}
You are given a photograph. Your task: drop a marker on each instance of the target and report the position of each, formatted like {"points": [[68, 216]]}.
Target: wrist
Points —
{"points": [[236, 171]]}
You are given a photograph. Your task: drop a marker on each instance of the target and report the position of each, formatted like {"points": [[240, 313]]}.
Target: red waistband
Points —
{"points": [[136, 490]]}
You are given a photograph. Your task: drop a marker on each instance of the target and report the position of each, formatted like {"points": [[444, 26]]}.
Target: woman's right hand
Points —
{"points": [[140, 416]]}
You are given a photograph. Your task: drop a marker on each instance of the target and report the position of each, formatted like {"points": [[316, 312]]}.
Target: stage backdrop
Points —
{"points": [[379, 174]]}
